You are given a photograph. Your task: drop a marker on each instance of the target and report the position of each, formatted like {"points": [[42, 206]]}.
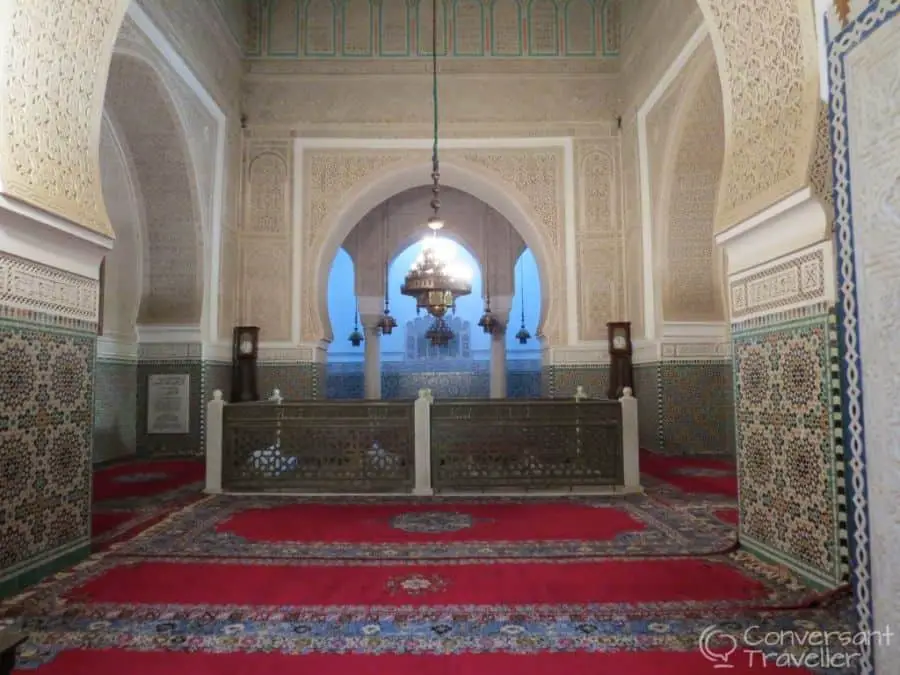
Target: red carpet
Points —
{"points": [[78, 662], [357, 523], [695, 475], [145, 478], [101, 523], [602, 582], [729, 516]]}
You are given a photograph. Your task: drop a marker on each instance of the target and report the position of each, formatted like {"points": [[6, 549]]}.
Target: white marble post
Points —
{"points": [[500, 306], [372, 362], [422, 413], [630, 443], [215, 419], [498, 363]]}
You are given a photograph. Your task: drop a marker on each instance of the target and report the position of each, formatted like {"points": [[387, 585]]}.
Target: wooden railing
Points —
{"points": [[527, 444], [318, 446]]}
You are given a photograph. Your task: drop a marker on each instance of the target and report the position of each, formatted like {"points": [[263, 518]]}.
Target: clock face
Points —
{"points": [[246, 346], [619, 342]]}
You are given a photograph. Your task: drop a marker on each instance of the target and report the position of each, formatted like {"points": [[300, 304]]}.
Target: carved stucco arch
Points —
{"points": [[152, 127], [687, 121], [767, 58], [124, 264], [482, 184]]}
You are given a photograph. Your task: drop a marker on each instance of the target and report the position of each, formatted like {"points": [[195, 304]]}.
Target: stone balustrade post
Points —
{"points": [[422, 412], [215, 421], [630, 443]]}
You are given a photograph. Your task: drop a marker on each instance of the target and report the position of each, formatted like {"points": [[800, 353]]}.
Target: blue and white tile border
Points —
{"points": [[870, 19]]}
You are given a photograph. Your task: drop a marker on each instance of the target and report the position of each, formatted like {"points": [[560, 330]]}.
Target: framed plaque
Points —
{"points": [[169, 404]]}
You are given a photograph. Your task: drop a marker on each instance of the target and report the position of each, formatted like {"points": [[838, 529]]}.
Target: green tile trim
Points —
{"points": [[19, 579], [812, 576]]}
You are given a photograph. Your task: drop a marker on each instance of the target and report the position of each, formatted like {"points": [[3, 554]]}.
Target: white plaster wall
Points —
{"points": [[873, 113]]}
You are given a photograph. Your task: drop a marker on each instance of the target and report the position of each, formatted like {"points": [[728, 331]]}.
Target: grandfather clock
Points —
{"points": [[244, 352], [620, 367]]}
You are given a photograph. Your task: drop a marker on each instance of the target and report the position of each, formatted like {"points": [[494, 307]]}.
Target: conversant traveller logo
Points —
{"points": [[718, 646], [810, 648]]}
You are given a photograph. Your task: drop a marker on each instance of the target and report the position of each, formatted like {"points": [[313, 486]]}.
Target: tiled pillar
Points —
{"points": [[790, 464], [49, 273]]}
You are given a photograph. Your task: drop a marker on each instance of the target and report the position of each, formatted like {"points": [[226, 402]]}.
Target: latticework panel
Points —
{"points": [[319, 446], [536, 444]]}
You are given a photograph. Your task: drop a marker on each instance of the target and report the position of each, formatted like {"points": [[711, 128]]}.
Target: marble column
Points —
{"points": [[372, 361], [498, 363], [500, 306]]}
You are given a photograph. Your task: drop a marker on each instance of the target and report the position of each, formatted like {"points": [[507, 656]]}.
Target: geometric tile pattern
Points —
{"points": [[115, 409], [46, 415], [399, 381], [685, 407], [789, 456], [696, 407], [561, 381]]}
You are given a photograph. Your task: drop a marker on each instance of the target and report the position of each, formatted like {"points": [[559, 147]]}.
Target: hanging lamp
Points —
{"points": [[386, 323], [356, 337], [433, 280], [488, 322], [523, 336]]}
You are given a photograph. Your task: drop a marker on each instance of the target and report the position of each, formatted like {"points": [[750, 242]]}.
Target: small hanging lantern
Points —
{"points": [[439, 334], [386, 323], [356, 337], [523, 336], [488, 321]]}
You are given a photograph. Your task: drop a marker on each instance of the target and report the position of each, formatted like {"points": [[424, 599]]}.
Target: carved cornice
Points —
{"points": [[267, 68]]}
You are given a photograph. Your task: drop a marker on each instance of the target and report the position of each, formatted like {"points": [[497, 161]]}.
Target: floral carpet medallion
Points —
{"points": [[664, 530], [432, 521], [416, 584]]}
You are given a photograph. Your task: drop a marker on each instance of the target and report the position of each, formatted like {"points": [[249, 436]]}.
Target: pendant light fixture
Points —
{"points": [[488, 322], [356, 337], [433, 280], [523, 336], [386, 323]]}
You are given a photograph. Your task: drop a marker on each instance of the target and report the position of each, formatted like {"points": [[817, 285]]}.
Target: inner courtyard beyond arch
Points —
{"points": [[628, 409]]}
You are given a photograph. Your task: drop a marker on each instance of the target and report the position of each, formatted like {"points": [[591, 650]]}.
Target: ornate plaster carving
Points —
{"points": [[768, 62], [142, 108], [55, 63], [598, 238], [820, 172], [265, 240], [533, 177], [692, 277], [30, 287]]}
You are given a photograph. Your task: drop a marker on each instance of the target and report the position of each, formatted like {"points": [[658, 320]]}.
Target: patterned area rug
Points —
{"points": [[439, 528], [130, 497]]}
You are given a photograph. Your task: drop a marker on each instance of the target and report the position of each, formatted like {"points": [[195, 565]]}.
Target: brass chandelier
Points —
{"points": [[433, 280]]}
